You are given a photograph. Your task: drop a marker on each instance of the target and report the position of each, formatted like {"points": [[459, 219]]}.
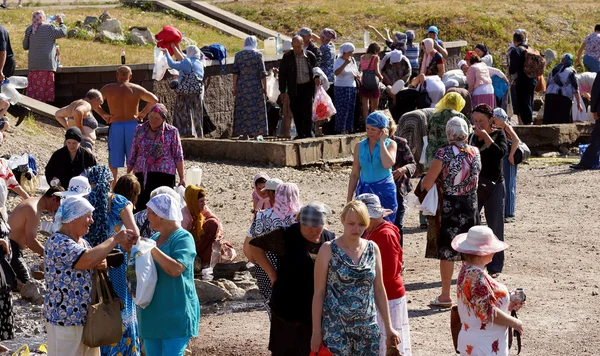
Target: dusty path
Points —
{"points": [[554, 253]]}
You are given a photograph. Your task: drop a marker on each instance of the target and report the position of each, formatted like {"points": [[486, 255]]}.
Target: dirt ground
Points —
{"points": [[554, 252]]}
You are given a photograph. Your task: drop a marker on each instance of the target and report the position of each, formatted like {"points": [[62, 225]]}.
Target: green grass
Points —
{"points": [[83, 50], [557, 25], [30, 126]]}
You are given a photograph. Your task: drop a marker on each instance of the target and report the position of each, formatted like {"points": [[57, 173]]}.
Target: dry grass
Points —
{"points": [[79, 52], [551, 24]]}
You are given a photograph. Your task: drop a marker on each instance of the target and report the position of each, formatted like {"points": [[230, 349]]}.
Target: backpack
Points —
{"points": [[216, 51], [369, 78], [534, 63]]}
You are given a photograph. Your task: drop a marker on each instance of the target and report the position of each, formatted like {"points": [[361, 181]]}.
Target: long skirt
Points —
{"points": [[41, 85], [557, 109], [459, 214], [399, 317], [6, 317], [489, 99], [345, 98], [129, 345], [250, 113], [385, 190], [187, 115]]}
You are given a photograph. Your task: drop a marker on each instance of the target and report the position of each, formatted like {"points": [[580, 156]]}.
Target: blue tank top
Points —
{"points": [[371, 168]]}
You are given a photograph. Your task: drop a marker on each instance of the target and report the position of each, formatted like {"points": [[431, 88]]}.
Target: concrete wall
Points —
{"points": [[73, 83]]}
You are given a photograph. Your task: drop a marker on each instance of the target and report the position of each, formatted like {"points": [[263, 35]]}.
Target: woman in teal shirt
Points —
{"points": [[373, 160], [171, 319]]}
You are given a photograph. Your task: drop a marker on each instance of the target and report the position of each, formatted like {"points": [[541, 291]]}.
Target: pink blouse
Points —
{"points": [[478, 74]]}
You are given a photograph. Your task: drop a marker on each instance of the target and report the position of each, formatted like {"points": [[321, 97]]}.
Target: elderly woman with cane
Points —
{"points": [[172, 318], [69, 261], [374, 158]]}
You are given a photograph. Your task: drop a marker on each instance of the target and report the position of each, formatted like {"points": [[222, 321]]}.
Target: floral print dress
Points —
{"points": [[250, 113], [479, 296]]}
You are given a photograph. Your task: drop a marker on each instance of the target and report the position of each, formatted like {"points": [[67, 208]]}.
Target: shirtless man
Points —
{"points": [[23, 223], [79, 114], [123, 100]]}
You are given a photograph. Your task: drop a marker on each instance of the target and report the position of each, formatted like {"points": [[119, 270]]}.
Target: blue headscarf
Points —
{"points": [[378, 119], [101, 177], [433, 29], [71, 208]]}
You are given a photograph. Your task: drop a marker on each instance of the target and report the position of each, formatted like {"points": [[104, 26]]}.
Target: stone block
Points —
{"points": [[67, 79], [63, 91], [79, 90], [90, 78], [309, 151], [331, 147]]}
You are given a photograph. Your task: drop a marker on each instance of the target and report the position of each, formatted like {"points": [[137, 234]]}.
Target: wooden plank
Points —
{"points": [[38, 107], [168, 4], [232, 19]]}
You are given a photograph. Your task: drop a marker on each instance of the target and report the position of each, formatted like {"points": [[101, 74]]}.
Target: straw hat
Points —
{"points": [[480, 241]]}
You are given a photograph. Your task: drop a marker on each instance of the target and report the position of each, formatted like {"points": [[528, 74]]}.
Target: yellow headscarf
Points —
{"points": [[191, 201], [452, 101]]}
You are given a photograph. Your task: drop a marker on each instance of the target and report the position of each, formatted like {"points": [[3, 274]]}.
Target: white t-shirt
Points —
{"points": [[346, 77]]}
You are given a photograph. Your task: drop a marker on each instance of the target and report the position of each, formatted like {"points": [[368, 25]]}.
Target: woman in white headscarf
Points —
{"points": [[249, 90], [432, 62], [345, 70], [69, 261], [171, 319], [189, 89]]}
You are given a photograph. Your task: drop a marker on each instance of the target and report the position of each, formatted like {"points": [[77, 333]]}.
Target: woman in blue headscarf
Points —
{"points": [[562, 88], [433, 32], [111, 212], [373, 161]]}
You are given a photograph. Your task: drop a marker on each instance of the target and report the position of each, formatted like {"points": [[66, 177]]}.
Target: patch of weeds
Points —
{"points": [[30, 127]]}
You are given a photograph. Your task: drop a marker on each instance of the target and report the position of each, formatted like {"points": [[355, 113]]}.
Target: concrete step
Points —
{"points": [[38, 107], [234, 20]]}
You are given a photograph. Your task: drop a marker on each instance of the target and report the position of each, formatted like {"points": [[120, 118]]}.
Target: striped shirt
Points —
{"points": [[303, 73], [412, 53], [42, 46]]}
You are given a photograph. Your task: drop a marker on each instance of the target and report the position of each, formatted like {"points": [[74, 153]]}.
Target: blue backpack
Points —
{"points": [[216, 51]]}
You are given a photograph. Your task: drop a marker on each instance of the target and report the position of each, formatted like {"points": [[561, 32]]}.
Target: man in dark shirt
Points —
{"points": [[297, 85], [7, 69], [296, 248], [524, 85]]}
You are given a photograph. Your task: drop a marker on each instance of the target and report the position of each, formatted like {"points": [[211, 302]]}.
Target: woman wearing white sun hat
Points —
{"points": [[483, 304]]}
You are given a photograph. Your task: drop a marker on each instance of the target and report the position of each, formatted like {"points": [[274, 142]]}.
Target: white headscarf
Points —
{"points": [[167, 207], [194, 52], [345, 48], [427, 56], [250, 43], [394, 56], [71, 208], [457, 130], [170, 191]]}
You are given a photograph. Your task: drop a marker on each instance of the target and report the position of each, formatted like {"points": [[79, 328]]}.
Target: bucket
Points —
{"points": [[194, 176], [270, 46]]}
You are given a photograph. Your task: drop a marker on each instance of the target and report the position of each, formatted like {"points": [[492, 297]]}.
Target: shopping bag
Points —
{"points": [[141, 272], [272, 88], [160, 64], [430, 203], [104, 325], [323, 107]]}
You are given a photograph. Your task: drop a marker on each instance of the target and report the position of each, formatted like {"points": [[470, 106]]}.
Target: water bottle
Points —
{"points": [[52, 18], [215, 256], [17, 82], [366, 39], [279, 44], [10, 92], [123, 61], [293, 131]]}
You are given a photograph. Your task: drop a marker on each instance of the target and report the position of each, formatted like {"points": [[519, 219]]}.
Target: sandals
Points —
{"points": [[436, 303], [495, 275]]}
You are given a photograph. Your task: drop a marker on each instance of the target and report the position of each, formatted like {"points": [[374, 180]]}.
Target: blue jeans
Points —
{"points": [[591, 64], [166, 347], [510, 183]]}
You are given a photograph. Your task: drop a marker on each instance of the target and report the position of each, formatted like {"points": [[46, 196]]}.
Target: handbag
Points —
{"points": [[522, 153], [190, 84], [369, 78], [485, 188], [104, 325]]}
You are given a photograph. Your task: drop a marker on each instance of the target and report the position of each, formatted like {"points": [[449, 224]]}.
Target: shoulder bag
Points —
{"points": [[369, 77], [522, 153], [104, 325], [190, 84]]}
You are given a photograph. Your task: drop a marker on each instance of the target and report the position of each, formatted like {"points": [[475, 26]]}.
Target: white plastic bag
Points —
{"points": [[430, 203], [423, 159], [160, 64], [272, 88], [141, 272], [323, 107]]}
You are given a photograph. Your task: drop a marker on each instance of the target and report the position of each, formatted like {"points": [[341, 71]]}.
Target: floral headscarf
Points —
{"points": [[262, 202], [37, 18], [167, 207], [100, 177], [287, 200]]}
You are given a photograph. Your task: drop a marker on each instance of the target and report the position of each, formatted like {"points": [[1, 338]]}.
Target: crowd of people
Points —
{"points": [[345, 293]]}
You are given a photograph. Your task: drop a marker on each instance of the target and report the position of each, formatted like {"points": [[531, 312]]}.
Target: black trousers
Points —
{"points": [[289, 338], [153, 181], [525, 89], [589, 156], [18, 264], [301, 106]]}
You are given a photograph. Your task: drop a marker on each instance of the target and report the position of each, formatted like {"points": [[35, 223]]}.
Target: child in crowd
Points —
{"points": [[260, 199]]}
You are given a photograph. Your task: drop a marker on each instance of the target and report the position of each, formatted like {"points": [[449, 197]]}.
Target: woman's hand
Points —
{"points": [[399, 173], [481, 134], [273, 278], [164, 50], [5, 246], [385, 133], [126, 238], [511, 159], [102, 266], [579, 106], [518, 326], [316, 341], [393, 338], [182, 182]]}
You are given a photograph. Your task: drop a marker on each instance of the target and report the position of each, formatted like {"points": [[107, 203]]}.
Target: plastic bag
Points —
{"points": [[430, 203], [272, 88], [141, 272], [160, 64], [323, 107]]}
